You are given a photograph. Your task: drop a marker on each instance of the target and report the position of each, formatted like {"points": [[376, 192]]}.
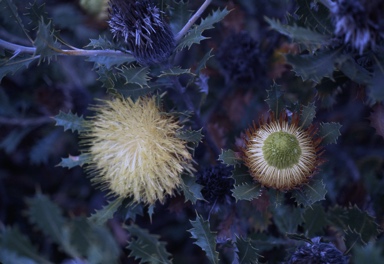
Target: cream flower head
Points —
{"points": [[281, 155], [135, 151]]}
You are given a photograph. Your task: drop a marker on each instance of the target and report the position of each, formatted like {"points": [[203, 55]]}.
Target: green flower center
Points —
{"points": [[281, 150]]}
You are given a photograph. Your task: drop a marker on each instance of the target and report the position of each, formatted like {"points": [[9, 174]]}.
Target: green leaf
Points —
{"points": [[246, 191], [41, 151], [104, 214], [192, 136], [70, 121], [241, 175], [47, 216], [136, 75], [102, 43], [300, 237], [307, 115], [45, 42], [134, 90], [375, 88], [130, 210], [13, 139], [315, 220], [194, 36], [203, 62], [111, 60], [314, 66], [13, 240], [14, 65], [371, 253], [175, 71], [229, 157], [246, 252], [191, 189], [147, 247], [179, 15], [349, 67], [287, 218], [310, 193], [11, 257], [330, 132], [205, 239], [275, 99], [10, 17], [73, 161]]}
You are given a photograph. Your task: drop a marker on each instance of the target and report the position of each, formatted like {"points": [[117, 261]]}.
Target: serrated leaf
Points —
{"points": [[192, 136], [246, 252], [314, 67], [246, 191], [241, 175], [70, 121], [205, 239], [130, 210], [146, 246], [73, 161], [106, 212], [287, 218], [329, 132], [310, 193], [308, 113], [315, 220], [136, 75], [275, 99], [45, 42], [191, 189], [229, 157], [371, 253], [13, 240], [194, 36], [111, 60], [134, 90], [36, 12], [175, 71], [47, 216], [10, 17], [14, 65], [102, 43], [203, 62], [179, 15]]}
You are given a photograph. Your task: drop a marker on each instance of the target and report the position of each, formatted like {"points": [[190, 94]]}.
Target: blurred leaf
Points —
{"points": [[315, 220], [375, 89], [371, 253], [73, 161], [44, 148], [229, 157], [354, 71], [130, 210], [205, 239], [106, 212], [275, 99], [241, 175], [10, 257], [46, 216], [203, 62], [300, 237], [175, 71], [314, 66], [13, 240], [377, 119], [46, 42], [246, 191], [194, 36], [70, 121], [179, 15], [191, 189], [307, 115], [147, 247], [151, 211], [276, 197], [136, 75], [310, 193], [14, 65], [246, 252], [10, 17], [134, 90], [287, 218], [111, 60], [330, 132], [13, 139], [192, 136]]}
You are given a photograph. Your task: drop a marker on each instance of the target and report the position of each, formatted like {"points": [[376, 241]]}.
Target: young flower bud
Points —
{"points": [[135, 151], [141, 25]]}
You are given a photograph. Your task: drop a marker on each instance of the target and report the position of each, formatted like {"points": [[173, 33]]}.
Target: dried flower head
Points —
{"points": [[135, 151], [358, 21], [318, 252], [141, 25], [280, 154]]}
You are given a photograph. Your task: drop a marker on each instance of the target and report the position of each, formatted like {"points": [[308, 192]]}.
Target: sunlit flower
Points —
{"points": [[141, 25], [135, 151], [280, 154]]}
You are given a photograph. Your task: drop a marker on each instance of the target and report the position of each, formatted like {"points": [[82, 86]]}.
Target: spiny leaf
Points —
{"points": [[104, 214], [241, 175], [45, 42], [73, 161], [348, 66], [134, 90], [203, 62], [315, 220], [330, 132], [46, 215], [307, 115], [179, 15], [310, 193], [287, 218], [175, 71], [191, 189], [111, 60], [70, 121], [229, 157], [10, 17], [371, 253], [192, 136], [205, 239], [130, 210], [13, 240], [275, 99], [14, 65], [136, 75], [246, 191], [102, 43], [246, 252], [146, 246], [194, 36], [377, 119]]}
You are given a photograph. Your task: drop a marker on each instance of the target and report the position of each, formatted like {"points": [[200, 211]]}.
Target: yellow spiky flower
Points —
{"points": [[135, 151], [281, 154]]}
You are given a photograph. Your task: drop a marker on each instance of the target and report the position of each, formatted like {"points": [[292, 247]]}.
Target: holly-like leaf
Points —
{"points": [[136, 75], [130, 209], [310, 193], [134, 90], [246, 191], [46, 42], [371, 253], [15, 64], [241, 175], [329, 132], [70, 121], [175, 71], [102, 43], [73, 161], [229, 157], [107, 212], [315, 220], [246, 252], [147, 247], [287, 218], [377, 119], [353, 70], [205, 239], [194, 36], [275, 99], [10, 17], [308, 113], [111, 60], [192, 136], [191, 189]]}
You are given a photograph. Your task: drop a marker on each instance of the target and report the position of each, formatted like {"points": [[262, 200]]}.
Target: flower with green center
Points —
{"points": [[281, 154], [135, 151]]}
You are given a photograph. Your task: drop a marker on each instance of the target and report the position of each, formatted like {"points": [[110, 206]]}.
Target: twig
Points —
{"points": [[192, 20], [26, 122]]}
